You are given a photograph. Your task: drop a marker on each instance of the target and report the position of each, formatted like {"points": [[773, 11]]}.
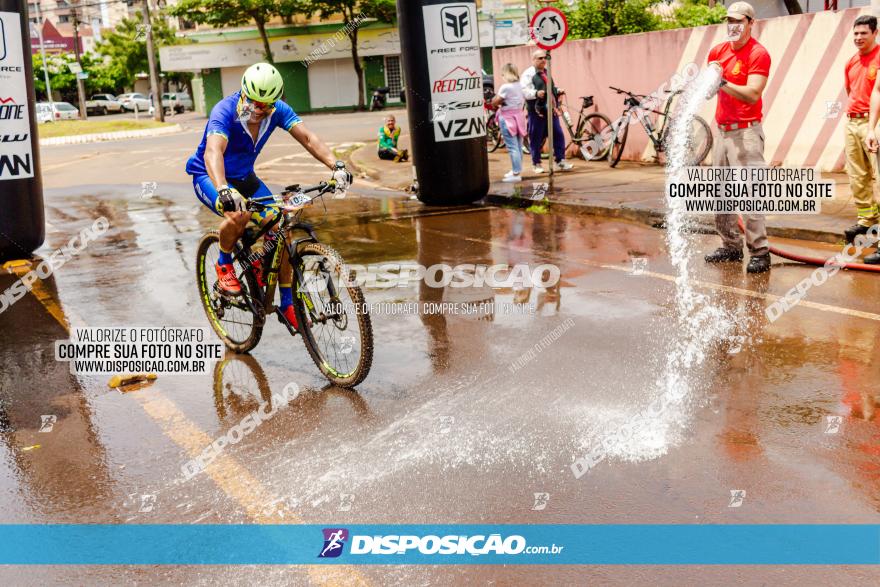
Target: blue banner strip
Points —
{"points": [[650, 544]]}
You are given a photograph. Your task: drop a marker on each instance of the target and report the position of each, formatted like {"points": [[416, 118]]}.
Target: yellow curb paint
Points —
{"points": [[232, 478]]}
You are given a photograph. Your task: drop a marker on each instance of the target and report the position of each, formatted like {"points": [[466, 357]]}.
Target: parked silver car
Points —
{"points": [[52, 111], [134, 101], [174, 101], [103, 103]]}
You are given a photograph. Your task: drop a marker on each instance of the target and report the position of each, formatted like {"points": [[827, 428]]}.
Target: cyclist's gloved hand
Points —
{"points": [[230, 200], [342, 176]]}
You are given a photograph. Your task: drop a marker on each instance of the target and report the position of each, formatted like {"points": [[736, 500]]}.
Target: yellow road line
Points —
{"points": [[260, 505], [745, 292], [236, 481], [21, 267]]}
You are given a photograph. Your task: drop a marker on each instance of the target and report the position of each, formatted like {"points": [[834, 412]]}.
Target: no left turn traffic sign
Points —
{"points": [[549, 28]]}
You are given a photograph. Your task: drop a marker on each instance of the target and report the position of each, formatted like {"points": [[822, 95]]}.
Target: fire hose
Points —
{"points": [[814, 260]]}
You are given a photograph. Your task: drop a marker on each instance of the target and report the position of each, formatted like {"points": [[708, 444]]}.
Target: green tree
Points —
{"points": [[59, 75], [353, 13], [588, 20], [603, 18], [693, 13], [125, 49], [230, 13]]}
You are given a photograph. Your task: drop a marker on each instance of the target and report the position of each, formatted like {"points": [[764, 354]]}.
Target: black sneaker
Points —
{"points": [[873, 258], [853, 231], [722, 255], [759, 264]]}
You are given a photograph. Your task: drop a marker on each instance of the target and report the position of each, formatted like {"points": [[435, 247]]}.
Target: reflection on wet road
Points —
{"points": [[463, 417]]}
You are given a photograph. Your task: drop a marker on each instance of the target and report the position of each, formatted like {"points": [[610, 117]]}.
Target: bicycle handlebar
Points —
{"points": [[299, 198]]}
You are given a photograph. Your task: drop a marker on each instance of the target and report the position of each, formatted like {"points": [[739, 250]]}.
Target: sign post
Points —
{"points": [[440, 48], [549, 29], [39, 29], [22, 221]]}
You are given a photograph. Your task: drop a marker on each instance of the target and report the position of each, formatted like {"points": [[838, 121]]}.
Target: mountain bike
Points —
{"points": [[493, 131], [699, 140], [330, 308], [589, 127]]}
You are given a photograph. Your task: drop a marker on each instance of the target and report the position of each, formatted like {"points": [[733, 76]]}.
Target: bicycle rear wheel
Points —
{"points": [[618, 142], [333, 317], [593, 145], [238, 321], [493, 133], [699, 142]]}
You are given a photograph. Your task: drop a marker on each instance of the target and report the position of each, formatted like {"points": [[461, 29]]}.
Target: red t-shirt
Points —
{"points": [[860, 72], [752, 59]]}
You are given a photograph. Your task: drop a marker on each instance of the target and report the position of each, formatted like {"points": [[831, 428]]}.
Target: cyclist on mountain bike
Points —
{"points": [[223, 166]]}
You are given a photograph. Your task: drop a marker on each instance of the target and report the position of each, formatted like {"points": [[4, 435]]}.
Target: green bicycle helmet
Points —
{"points": [[262, 83]]}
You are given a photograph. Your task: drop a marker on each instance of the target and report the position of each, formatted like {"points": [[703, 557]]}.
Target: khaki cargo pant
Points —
{"points": [[741, 148], [861, 167]]}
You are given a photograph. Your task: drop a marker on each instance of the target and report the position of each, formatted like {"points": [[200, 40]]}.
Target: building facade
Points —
{"points": [[315, 59]]}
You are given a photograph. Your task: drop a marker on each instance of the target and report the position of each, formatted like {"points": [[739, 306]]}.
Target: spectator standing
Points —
{"points": [[510, 101], [534, 82]]}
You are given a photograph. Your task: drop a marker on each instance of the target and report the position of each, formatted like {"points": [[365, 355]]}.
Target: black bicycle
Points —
{"points": [[493, 131], [330, 308], [699, 140], [587, 134]]}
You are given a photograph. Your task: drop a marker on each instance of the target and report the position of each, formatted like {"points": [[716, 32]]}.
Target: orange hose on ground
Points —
{"points": [[813, 260]]}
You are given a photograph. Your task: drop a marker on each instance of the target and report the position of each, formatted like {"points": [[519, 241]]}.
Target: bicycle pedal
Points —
{"points": [[293, 331]]}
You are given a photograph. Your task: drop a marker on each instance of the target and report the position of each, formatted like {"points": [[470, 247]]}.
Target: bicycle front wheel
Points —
{"points": [[593, 144], [332, 316], [618, 142], [232, 318]]}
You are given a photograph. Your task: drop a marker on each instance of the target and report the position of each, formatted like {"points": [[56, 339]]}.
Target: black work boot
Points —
{"points": [[759, 263], [853, 231], [873, 258], [723, 255]]}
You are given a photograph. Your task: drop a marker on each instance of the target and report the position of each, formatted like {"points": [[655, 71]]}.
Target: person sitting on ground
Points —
{"points": [[388, 137]]}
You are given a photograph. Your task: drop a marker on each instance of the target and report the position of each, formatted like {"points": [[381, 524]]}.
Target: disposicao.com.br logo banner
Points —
{"points": [[599, 544]]}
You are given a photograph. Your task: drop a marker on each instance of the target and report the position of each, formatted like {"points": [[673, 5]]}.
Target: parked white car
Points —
{"points": [[52, 111], [44, 112], [134, 100], [174, 101], [103, 103]]}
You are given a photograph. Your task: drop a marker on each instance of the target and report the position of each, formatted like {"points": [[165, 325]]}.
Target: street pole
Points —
{"points": [[22, 219], [80, 83], [159, 113], [550, 118], [492, 20], [43, 54]]}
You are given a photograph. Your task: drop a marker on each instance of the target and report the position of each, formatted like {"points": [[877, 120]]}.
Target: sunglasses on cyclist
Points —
{"points": [[264, 106]]}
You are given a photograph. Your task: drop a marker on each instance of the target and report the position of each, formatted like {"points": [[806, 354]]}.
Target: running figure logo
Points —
{"points": [[334, 540]]}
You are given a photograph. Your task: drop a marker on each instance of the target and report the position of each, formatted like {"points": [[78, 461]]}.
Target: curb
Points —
{"points": [[360, 166], [654, 218], [111, 136]]}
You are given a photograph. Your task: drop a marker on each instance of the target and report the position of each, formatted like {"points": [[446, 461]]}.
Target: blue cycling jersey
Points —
{"points": [[242, 150]]}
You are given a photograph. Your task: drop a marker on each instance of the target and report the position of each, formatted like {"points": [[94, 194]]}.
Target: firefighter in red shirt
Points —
{"points": [[744, 65], [861, 163]]}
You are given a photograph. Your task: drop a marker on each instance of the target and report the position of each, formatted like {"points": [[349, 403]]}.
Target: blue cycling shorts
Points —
{"points": [[250, 186]]}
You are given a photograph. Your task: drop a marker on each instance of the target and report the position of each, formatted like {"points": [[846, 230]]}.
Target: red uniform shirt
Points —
{"points": [[861, 71], [752, 59]]}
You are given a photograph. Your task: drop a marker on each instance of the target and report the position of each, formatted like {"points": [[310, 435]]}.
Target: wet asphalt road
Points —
{"points": [[452, 425]]}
